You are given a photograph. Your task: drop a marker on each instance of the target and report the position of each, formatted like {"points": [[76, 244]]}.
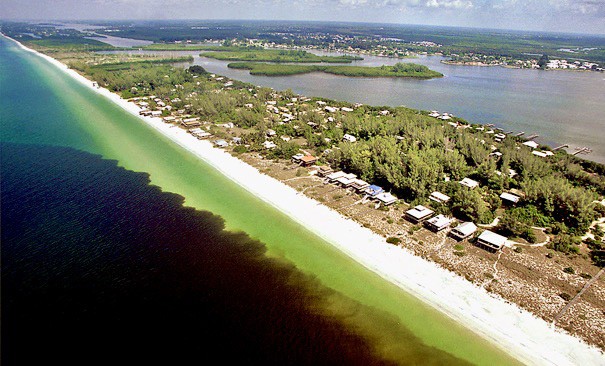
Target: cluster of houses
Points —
{"points": [[576, 65], [487, 240], [349, 180], [418, 214]]}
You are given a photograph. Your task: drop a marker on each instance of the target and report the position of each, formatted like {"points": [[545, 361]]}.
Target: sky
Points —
{"points": [[577, 16]]}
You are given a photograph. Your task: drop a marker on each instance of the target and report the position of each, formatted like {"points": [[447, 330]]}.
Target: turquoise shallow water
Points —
{"points": [[86, 217]]}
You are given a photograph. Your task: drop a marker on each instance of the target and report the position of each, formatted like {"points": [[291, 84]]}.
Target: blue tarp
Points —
{"points": [[374, 190]]}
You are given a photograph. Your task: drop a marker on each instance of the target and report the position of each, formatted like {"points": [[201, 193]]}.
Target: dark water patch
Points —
{"points": [[100, 267]]}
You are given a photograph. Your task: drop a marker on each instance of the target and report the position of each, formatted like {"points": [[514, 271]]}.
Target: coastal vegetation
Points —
{"points": [[408, 153], [264, 55], [403, 150], [388, 40], [397, 70]]}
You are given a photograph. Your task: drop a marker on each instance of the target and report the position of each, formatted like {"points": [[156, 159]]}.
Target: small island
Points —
{"points": [[408, 70]]}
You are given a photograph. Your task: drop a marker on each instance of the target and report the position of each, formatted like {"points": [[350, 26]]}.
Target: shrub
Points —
{"points": [[569, 270], [393, 240], [458, 247], [240, 149], [565, 296], [565, 243]]}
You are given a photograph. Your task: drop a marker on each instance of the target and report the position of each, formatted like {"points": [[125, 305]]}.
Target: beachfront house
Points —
{"points": [[324, 170], [346, 109], [221, 143], [463, 230], [438, 222], [491, 241], [332, 177], [509, 198], [386, 198], [467, 182], [418, 214], [439, 197], [203, 135], [359, 185], [349, 138], [346, 180], [296, 158], [308, 160], [169, 119], [194, 123], [373, 190], [269, 145]]}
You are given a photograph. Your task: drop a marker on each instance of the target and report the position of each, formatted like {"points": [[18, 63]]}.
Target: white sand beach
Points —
{"points": [[516, 331]]}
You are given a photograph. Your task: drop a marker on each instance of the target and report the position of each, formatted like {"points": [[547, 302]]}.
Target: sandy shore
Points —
{"points": [[516, 331]]}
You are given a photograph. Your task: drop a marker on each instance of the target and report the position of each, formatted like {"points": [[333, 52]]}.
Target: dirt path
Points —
{"points": [[572, 301]]}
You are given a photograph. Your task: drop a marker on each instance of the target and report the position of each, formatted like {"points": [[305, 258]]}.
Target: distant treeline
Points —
{"points": [[270, 55]]}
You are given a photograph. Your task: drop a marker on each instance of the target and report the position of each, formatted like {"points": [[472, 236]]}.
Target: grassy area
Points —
{"points": [[279, 56], [114, 66], [398, 70], [68, 44]]}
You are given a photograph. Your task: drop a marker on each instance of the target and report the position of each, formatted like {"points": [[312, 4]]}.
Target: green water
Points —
{"points": [[99, 126]]}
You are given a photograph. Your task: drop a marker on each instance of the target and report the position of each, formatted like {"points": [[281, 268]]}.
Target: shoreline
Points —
{"points": [[531, 339]]}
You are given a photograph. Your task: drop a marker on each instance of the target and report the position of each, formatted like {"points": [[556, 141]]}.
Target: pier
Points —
{"points": [[582, 150], [560, 147], [532, 137], [520, 134]]}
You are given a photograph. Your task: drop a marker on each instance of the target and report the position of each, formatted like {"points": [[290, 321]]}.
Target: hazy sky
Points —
{"points": [[586, 16]]}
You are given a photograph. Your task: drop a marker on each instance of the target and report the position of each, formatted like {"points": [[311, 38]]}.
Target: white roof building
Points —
{"points": [[269, 145], [438, 222], [349, 138], [463, 230], [221, 143], [336, 175], [439, 197], [531, 144], [467, 182], [491, 241], [418, 213], [386, 198], [510, 197]]}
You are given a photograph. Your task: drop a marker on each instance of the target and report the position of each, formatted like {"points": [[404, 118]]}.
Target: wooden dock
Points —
{"points": [[560, 147], [520, 134], [582, 150], [532, 137]]}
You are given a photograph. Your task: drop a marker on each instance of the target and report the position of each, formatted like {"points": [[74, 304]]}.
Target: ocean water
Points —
{"points": [[118, 246]]}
